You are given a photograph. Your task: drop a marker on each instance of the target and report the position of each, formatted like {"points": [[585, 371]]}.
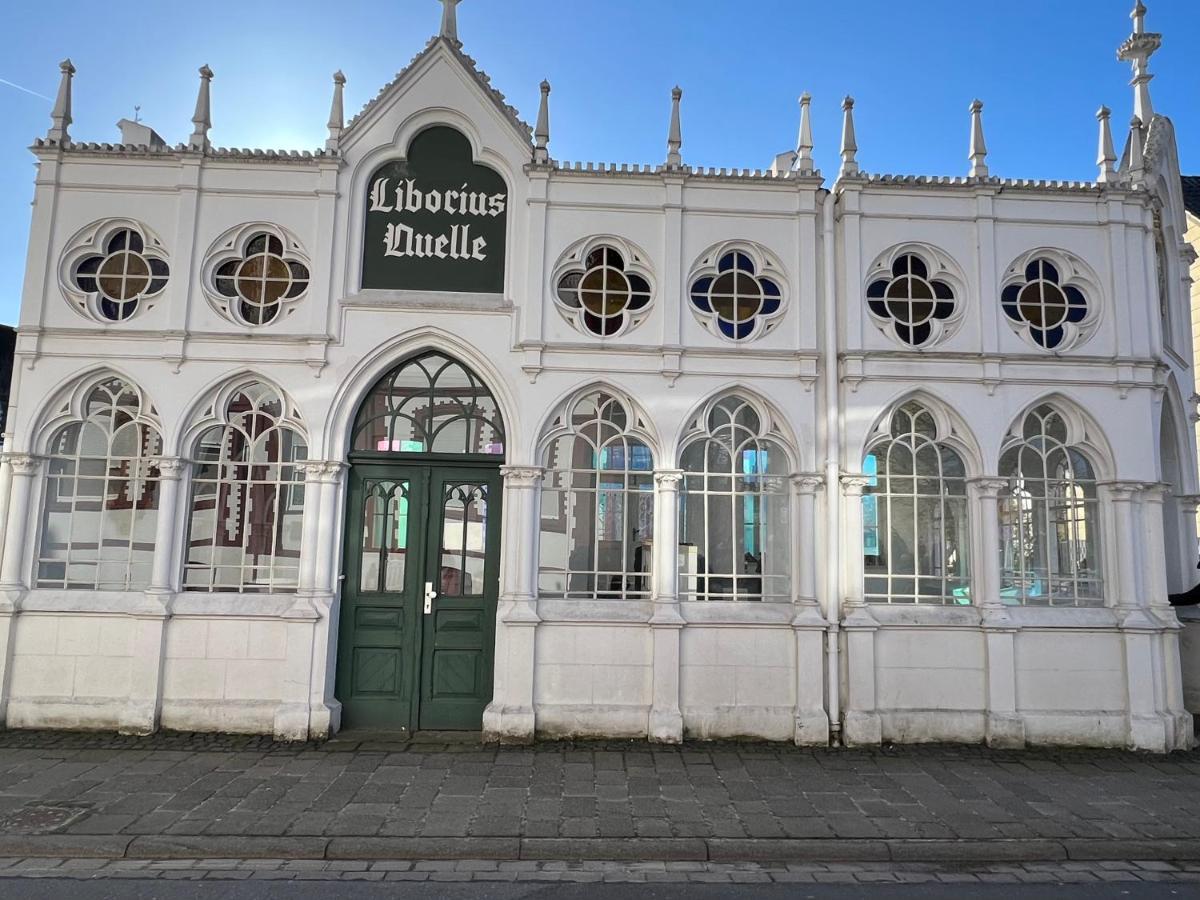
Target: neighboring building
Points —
{"points": [[1190, 616], [426, 430], [8, 342]]}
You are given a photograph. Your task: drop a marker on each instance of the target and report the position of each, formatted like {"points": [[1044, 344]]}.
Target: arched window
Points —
{"points": [[101, 509], [247, 497], [430, 404], [734, 518], [916, 544], [597, 505], [1049, 517]]}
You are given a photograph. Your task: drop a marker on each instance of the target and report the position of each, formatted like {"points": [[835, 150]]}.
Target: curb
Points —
{"points": [[725, 850]]}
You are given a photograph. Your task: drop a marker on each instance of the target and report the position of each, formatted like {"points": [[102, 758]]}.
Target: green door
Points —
{"points": [[418, 620]]}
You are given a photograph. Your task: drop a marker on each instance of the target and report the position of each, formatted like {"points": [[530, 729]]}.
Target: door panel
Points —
{"points": [[459, 630], [377, 658], [404, 663]]}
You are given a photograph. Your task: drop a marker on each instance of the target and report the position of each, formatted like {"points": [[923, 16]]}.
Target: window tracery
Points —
{"points": [[736, 292], [597, 520], [247, 496], [1046, 300], [912, 295], [114, 270], [100, 512], [256, 274], [604, 287], [734, 507]]}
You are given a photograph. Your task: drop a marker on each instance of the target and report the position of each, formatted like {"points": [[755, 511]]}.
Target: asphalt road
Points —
{"points": [[113, 889]]}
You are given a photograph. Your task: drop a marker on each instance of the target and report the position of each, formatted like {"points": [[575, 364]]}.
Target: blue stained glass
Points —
{"points": [[641, 459], [728, 261], [1055, 336], [943, 310], [917, 267], [942, 291], [1013, 311], [1011, 294], [700, 301], [879, 308], [1076, 314], [1075, 296], [920, 333], [702, 285], [744, 329], [769, 306], [1040, 336], [877, 289], [900, 267], [1033, 271], [871, 470], [727, 328], [744, 263], [118, 241], [770, 288]]}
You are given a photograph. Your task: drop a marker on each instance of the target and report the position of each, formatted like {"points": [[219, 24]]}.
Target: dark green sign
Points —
{"points": [[436, 221]]}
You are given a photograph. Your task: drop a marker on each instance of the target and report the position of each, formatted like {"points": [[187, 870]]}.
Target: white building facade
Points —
{"points": [[428, 431]]}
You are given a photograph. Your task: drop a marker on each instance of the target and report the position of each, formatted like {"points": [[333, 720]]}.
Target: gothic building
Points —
{"points": [[428, 430]]}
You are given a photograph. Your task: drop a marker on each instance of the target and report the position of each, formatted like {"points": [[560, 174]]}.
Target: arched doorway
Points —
{"points": [[421, 567]]}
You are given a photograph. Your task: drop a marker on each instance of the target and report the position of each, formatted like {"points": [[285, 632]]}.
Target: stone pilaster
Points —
{"points": [[665, 723], [23, 469], [808, 625], [861, 724]]}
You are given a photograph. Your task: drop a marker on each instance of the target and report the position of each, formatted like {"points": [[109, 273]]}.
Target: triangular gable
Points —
{"points": [[481, 79]]}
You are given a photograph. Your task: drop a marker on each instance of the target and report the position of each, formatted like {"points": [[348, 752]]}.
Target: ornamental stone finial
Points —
{"points": [[450, 20], [202, 118], [849, 140], [1137, 162], [804, 145], [1106, 158], [541, 134], [675, 135], [978, 157], [1137, 51], [337, 117], [60, 116]]}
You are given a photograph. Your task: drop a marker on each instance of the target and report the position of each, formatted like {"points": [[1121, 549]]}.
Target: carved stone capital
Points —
{"points": [[1189, 502], [523, 477], [988, 487], [23, 463], [854, 485], [171, 468], [321, 469], [1123, 491], [668, 479], [805, 483]]}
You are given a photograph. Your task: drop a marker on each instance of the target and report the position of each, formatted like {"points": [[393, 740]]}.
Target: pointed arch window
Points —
{"points": [[916, 542], [430, 404], [597, 521], [734, 507], [1049, 517], [247, 497], [101, 507]]}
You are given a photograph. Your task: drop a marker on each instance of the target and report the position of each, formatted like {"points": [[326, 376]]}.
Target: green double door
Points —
{"points": [[418, 620]]}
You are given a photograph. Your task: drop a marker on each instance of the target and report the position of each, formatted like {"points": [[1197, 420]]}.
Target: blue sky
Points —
{"points": [[1042, 67]]}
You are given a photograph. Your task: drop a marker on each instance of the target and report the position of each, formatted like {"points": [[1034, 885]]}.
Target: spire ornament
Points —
{"points": [[849, 141], [450, 21], [541, 134], [804, 144], [202, 118], [337, 117], [1106, 157], [978, 157], [1137, 51], [675, 135], [60, 116], [1137, 160]]}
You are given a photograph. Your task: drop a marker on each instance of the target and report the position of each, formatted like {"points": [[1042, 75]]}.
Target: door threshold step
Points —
{"points": [[356, 737]]}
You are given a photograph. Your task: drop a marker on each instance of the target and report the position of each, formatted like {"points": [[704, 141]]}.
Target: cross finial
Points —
{"points": [[1137, 51], [450, 20]]}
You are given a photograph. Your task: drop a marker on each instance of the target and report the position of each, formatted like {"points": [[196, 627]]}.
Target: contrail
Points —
{"points": [[25, 89]]}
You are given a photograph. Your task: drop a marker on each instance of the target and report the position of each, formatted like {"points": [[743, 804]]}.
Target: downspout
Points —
{"points": [[833, 568]]}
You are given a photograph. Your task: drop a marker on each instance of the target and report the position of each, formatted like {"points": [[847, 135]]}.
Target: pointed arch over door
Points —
{"points": [[421, 570]]}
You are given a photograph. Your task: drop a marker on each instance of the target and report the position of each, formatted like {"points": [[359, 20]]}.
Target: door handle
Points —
{"points": [[430, 596]]}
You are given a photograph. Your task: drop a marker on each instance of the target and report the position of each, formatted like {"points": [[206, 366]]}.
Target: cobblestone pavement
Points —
{"points": [[710, 802], [1093, 873]]}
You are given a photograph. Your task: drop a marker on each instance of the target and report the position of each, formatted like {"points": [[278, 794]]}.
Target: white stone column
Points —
{"points": [[666, 718], [861, 725], [1005, 727], [1188, 506], [292, 717], [1124, 543], [808, 624], [325, 712], [24, 469], [140, 714], [510, 717]]}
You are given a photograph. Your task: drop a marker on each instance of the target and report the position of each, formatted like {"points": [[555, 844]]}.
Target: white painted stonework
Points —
{"points": [[828, 663]]}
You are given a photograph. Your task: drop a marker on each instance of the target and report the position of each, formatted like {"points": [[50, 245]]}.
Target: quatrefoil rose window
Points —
{"points": [[604, 288], [256, 274], [115, 271], [1045, 301], [911, 302], [736, 292]]}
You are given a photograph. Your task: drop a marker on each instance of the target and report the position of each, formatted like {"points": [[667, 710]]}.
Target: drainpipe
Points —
{"points": [[833, 499]]}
